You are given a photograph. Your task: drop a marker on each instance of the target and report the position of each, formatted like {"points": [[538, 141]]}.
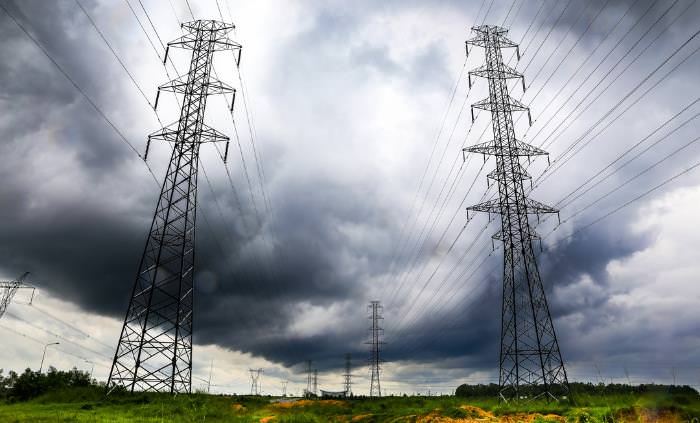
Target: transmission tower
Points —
{"points": [[315, 385], [376, 331], [255, 381], [309, 378], [348, 375], [284, 388], [155, 346], [530, 360], [10, 288]]}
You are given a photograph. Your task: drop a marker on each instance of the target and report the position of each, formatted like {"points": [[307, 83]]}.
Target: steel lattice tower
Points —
{"points": [[530, 360], [155, 346], [347, 375], [255, 381], [375, 308], [10, 288], [309, 377]]}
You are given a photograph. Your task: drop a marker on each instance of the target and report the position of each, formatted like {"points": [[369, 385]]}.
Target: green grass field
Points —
{"points": [[88, 404]]}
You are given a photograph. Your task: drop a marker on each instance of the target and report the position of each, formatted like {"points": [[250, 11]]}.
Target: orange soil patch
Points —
{"points": [[306, 403], [530, 418], [644, 415], [361, 417], [339, 403], [237, 407], [479, 415], [300, 403], [267, 419]]}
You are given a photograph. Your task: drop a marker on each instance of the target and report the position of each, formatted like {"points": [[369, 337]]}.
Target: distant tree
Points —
{"points": [[31, 384], [578, 388], [479, 390]]}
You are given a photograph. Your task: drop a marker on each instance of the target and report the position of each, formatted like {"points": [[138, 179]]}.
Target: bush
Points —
{"points": [[32, 384]]}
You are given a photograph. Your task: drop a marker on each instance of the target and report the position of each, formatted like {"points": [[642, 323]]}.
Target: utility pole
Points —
{"points": [[255, 381], [348, 375], [155, 345], [376, 331], [10, 288], [530, 360]]}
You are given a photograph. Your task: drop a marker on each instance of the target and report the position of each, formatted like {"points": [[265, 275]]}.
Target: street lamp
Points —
{"points": [[44, 355]]}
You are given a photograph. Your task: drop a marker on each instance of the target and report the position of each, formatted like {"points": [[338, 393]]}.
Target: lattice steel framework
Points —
{"points": [[347, 376], [530, 360], [255, 381], [155, 346], [309, 378], [375, 332], [10, 288]]}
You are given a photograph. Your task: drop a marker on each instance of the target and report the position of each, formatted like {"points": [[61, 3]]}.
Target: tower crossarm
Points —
{"points": [[519, 148], [490, 35], [518, 172], [495, 206], [217, 30], [506, 72], [8, 289], [170, 134], [535, 207], [508, 103], [212, 87], [498, 236]]}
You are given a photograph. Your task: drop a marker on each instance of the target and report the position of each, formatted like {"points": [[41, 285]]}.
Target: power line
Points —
{"points": [[76, 86], [557, 166], [407, 228], [114, 53]]}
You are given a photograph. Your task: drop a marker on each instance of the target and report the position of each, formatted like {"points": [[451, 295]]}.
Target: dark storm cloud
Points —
{"points": [[328, 235]]}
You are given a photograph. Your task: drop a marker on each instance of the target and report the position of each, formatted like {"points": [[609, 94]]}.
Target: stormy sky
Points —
{"points": [[346, 183]]}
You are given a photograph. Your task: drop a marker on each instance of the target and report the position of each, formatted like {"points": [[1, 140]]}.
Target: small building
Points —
{"points": [[333, 394]]}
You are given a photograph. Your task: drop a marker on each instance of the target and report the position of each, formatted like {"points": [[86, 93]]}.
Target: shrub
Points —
{"points": [[32, 384]]}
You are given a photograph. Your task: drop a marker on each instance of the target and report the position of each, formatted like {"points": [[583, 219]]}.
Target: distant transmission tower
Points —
{"points": [[309, 378], [348, 375], [284, 388], [255, 381], [530, 361], [10, 288], [376, 331], [315, 385], [155, 345]]}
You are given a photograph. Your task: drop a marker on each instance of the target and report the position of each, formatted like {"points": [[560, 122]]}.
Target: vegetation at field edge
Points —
{"points": [[70, 399]]}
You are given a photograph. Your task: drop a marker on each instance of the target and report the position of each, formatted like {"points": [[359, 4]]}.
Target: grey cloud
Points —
{"points": [[333, 230]]}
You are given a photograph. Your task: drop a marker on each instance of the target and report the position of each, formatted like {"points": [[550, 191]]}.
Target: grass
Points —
{"points": [[90, 405]]}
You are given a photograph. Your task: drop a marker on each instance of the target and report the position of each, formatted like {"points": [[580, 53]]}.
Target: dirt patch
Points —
{"points": [[267, 419], [645, 415], [531, 418], [306, 403], [292, 404], [361, 417], [478, 415], [338, 403], [237, 407]]}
